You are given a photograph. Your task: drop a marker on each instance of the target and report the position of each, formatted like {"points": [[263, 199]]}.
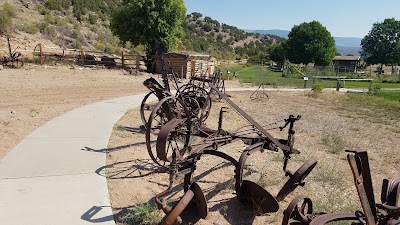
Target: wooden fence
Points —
{"points": [[42, 55]]}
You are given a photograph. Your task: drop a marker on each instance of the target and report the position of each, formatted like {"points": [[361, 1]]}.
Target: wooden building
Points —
{"points": [[346, 64], [188, 64]]}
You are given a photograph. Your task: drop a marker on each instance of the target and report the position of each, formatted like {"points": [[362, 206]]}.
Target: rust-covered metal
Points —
{"points": [[174, 119], [385, 213]]}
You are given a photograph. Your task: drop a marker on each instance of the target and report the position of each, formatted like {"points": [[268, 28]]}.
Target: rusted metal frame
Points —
{"points": [[331, 217], [221, 155], [390, 194], [240, 166], [158, 198], [356, 166], [296, 179], [247, 117], [358, 161], [163, 70], [292, 212]]}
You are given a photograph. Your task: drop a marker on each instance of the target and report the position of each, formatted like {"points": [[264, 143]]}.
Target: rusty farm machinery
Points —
{"points": [[171, 120], [14, 58], [300, 210]]}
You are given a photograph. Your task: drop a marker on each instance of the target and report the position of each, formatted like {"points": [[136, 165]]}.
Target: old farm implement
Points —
{"points": [[14, 58], [300, 210], [174, 119]]}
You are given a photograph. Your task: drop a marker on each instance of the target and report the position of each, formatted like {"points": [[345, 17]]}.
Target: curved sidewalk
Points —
{"points": [[49, 178]]}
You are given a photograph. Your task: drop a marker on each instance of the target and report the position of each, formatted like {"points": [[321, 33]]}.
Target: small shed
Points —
{"points": [[346, 64], [188, 64]]}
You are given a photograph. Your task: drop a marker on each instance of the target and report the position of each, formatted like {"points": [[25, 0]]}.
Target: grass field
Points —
{"points": [[263, 75]]}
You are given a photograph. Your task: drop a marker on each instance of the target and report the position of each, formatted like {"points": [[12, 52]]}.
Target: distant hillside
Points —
{"points": [[205, 35], [343, 50], [344, 45], [85, 24]]}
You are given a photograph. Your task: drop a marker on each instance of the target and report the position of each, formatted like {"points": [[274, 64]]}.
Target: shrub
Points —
{"points": [[53, 4], [146, 214], [29, 28], [318, 87], [92, 19], [375, 90], [100, 46], [334, 142], [5, 22], [9, 10]]}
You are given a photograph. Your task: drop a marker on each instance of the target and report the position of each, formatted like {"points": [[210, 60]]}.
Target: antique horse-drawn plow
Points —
{"points": [[172, 120]]}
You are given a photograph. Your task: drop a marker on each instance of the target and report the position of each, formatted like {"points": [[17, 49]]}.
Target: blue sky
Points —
{"points": [[343, 18]]}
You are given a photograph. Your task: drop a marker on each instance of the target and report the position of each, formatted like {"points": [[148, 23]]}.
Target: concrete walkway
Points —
{"points": [[50, 179]]}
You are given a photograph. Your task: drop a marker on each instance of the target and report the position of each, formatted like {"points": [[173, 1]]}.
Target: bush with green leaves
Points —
{"points": [[30, 28], [318, 87], [7, 12]]}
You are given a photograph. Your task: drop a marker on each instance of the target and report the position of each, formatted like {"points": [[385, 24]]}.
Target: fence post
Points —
{"points": [[337, 84], [137, 62], [82, 57], [40, 54], [370, 85], [123, 60]]}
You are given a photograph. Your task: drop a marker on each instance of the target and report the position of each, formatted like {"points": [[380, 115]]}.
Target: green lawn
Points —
{"points": [[263, 75]]}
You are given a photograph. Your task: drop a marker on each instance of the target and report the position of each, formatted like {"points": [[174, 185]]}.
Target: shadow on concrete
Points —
{"points": [[105, 150], [90, 215], [130, 169]]}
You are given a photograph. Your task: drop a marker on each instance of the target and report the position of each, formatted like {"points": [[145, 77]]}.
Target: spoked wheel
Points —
{"points": [[173, 139], [18, 63], [166, 110], [148, 103], [219, 84], [296, 179], [197, 99]]}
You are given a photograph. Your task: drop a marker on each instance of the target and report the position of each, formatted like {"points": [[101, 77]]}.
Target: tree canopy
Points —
{"points": [[150, 22], [277, 52], [381, 45], [310, 42]]}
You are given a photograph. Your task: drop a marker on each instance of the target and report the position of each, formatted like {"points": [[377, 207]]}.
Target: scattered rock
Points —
{"points": [[13, 112]]}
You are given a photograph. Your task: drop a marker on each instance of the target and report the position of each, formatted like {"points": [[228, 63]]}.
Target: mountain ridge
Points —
{"points": [[340, 41]]}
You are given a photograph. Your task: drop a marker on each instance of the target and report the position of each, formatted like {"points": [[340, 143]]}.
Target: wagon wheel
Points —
{"points": [[219, 84], [17, 63], [175, 212], [174, 137], [296, 213], [197, 99], [165, 110], [36, 54], [296, 179], [148, 103]]}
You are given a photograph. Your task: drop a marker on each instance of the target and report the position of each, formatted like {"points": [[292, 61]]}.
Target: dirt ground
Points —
{"points": [[33, 95], [133, 178]]}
